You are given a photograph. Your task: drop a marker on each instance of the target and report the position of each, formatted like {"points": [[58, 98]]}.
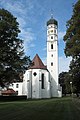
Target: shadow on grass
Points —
{"points": [[44, 109]]}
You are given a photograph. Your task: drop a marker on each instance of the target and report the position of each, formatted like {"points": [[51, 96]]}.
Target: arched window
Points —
{"points": [[51, 55], [42, 78], [51, 46], [51, 63], [54, 31], [17, 85], [16, 92], [51, 37]]}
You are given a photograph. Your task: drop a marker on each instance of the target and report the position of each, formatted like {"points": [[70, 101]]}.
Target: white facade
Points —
{"points": [[33, 80], [17, 87], [41, 81], [52, 56]]}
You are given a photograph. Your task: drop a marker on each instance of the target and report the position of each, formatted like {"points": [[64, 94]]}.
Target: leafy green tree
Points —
{"points": [[12, 58], [72, 37], [72, 45], [75, 74], [64, 81]]}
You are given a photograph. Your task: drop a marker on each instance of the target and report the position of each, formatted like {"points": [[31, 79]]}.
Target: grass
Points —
{"points": [[50, 109]]}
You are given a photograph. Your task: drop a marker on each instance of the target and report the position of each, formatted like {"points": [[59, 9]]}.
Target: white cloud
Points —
{"points": [[17, 7], [44, 60], [20, 9], [61, 34], [32, 45], [45, 48], [22, 22], [28, 37], [64, 64], [14, 7]]}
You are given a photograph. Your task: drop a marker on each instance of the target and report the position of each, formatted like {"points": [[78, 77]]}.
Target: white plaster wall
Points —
{"points": [[53, 69], [45, 93], [27, 83], [24, 86], [40, 96], [19, 89], [35, 83], [34, 89]]}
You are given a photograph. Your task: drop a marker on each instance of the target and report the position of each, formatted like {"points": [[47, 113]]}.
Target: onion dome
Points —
{"points": [[52, 21]]}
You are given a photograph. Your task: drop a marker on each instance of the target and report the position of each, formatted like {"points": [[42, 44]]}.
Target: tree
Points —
{"points": [[12, 58], [72, 37], [64, 80], [75, 74], [72, 45]]}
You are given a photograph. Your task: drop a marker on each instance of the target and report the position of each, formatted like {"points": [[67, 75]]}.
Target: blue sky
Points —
{"points": [[32, 16]]}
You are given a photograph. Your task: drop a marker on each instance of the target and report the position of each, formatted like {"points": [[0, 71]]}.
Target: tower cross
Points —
{"points": [[51, 13]]}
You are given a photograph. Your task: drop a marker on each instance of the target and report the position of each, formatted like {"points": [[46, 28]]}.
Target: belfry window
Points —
{"points": [[51, 46], [54, 31], [51, 37], [42, 78], [51, 63], [52, 55]]}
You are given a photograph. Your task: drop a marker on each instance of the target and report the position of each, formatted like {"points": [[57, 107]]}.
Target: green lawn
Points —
{"points": [[50, 109]]}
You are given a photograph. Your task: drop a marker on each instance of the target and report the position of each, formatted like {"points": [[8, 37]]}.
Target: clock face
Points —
{"points": [[51, 31]]}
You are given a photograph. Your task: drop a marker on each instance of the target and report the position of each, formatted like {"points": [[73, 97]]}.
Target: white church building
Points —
{"points": [[41, 81]]}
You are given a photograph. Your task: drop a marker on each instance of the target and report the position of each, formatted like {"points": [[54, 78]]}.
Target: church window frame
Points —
{"points": [[51, 37], [34, 73], [17, 85], [42, 78], [51, 63], [17, 92], [51, 55], [55, 31], [51, 46]]}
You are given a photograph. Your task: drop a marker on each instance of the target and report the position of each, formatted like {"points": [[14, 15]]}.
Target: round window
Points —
{"points": [[34, 73]]}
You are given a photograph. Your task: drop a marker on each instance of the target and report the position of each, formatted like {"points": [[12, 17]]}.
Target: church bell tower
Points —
{"points": [[52, 55]]}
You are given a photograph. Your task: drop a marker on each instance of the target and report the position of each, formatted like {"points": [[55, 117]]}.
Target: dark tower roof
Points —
{"points": [[52, 21], [37, 63]]}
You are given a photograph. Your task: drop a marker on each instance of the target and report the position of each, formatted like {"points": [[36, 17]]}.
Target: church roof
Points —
{"points": [[52, 21], [8, 92], [37, 63]]}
